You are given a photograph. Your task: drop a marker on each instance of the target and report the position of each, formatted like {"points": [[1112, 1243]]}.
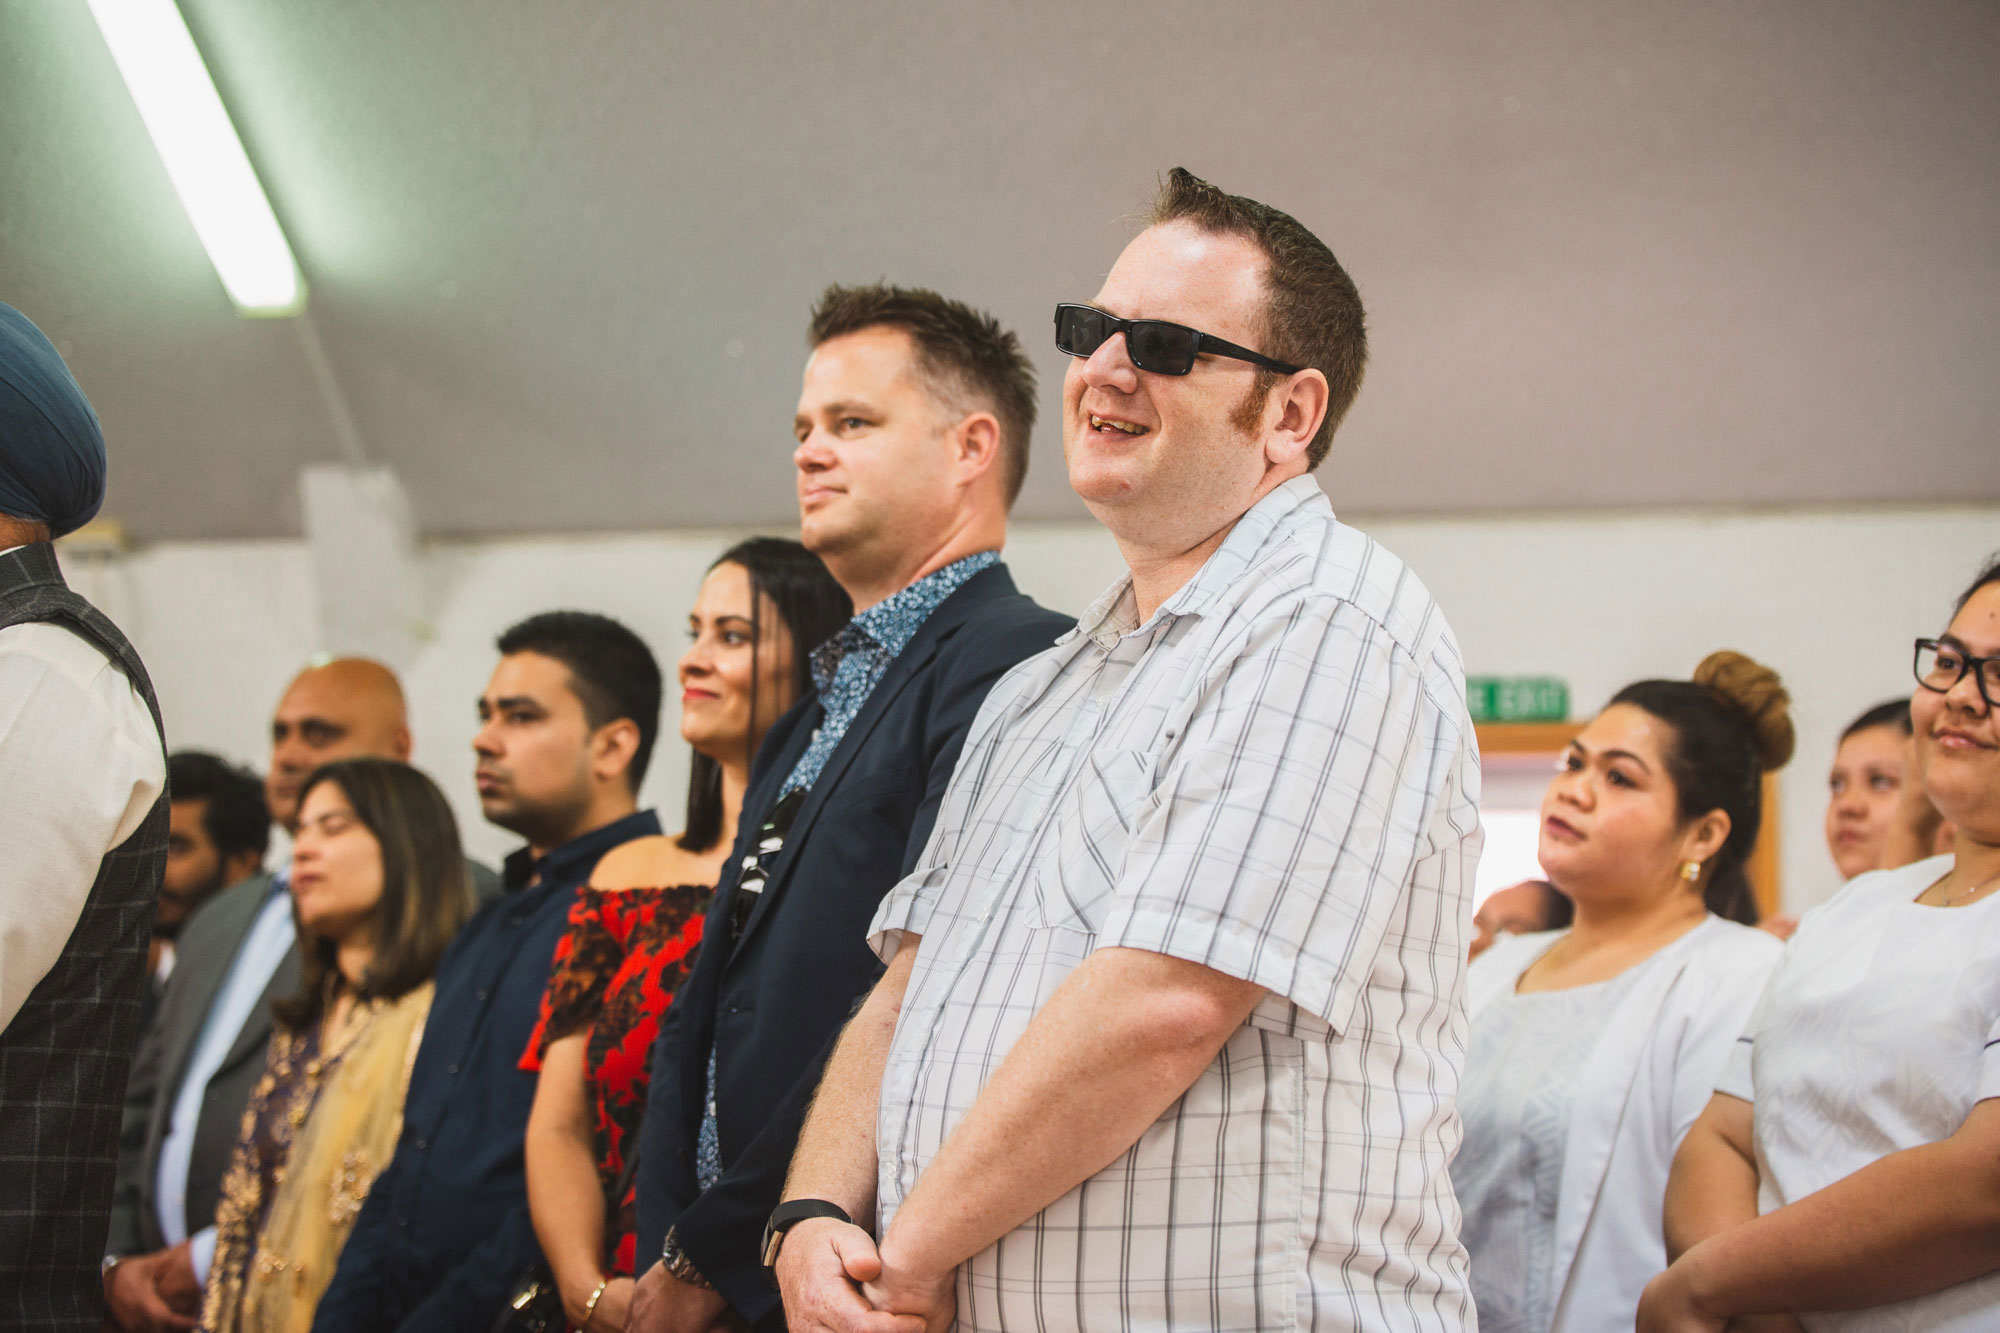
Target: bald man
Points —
{"points": [[334, 710], [194, 1071]]}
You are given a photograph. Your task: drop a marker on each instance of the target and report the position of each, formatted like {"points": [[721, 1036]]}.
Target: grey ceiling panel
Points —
{"points": [[1615, 255]]}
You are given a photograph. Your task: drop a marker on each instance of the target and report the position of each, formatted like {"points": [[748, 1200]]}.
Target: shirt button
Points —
{"points": [[423, 1145], [403, 1223], [452, 1068], [480, 994]]}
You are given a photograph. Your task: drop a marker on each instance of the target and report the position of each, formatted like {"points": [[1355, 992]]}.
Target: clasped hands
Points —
{"points": [[836, 1279], [154, 1293]]}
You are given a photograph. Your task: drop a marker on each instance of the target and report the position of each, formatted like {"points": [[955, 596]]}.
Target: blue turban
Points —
{"points": [[51, 449]]}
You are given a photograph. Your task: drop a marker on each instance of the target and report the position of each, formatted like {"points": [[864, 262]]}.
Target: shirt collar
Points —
{"points": [[573, 860], [891, 623], [1116, 614]]}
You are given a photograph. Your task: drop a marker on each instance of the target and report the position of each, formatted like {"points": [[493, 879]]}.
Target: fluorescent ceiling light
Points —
{"points": [[204, 158]]}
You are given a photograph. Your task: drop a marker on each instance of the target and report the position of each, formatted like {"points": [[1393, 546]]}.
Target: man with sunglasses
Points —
{"points": [[1172, 1023]]}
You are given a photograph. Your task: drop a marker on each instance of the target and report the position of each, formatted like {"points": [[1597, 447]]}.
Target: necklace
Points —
{"points": [[1946, 900]]}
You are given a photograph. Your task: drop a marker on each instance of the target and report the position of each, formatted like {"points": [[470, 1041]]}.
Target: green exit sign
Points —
{"points": [[1517, 698]]}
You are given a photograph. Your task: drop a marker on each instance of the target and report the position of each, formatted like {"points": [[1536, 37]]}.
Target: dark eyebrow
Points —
{"points": [[1580, 748], [518, 701], [1964, 648]]}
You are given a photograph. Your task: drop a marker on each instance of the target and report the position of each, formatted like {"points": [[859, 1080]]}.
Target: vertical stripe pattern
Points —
{"points": [[1273, 776]]}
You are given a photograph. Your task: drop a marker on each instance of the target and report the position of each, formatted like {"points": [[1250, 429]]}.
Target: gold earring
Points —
{"points": [[1690, 871]]}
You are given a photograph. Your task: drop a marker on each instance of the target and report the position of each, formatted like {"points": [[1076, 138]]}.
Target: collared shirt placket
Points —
{"points": [[1097, 691], [1273, 777]]}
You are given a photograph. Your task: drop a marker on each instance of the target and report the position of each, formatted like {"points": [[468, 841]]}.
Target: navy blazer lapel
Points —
{"points": [[937, 630], [694, 1006], [762, 798]]}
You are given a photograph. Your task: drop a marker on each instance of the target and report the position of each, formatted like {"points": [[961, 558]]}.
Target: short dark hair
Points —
{"points": [[813, 607], [1313, 315], [235, 816], [1889, 713], [962, 354], [1731, 724], [611, 670], [426, 889]]}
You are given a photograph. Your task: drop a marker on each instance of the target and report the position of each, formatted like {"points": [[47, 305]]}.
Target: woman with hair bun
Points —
{"points": [[1848, 1168], [1593, 1049]]}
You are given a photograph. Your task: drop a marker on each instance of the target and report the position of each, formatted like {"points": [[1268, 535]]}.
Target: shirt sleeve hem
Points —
{"points": [[906, 911], [1233, 949], [1735, 1080]]}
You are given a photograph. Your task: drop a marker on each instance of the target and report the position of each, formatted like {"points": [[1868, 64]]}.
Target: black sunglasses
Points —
{"points": [[1153, 344]]}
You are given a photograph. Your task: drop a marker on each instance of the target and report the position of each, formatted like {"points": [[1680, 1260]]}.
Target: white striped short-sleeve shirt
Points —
{"points": [[1273, 776]]}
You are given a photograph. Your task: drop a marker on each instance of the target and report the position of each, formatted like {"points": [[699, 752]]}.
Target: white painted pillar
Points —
{"points": [[363, 543]]}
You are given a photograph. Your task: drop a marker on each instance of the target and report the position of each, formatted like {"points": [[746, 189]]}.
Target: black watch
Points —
{"points": [[788, 1215]]}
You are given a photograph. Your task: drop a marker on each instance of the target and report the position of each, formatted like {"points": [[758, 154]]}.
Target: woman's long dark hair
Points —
{"points": [[813, 608], [1731, 725], [426, 890]]}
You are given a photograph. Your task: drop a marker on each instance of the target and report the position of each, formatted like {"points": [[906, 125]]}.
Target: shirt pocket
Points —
{"points": [[1093, 828]]}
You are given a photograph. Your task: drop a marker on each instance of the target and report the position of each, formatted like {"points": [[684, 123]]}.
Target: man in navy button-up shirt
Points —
{"points": [[568, 723]]}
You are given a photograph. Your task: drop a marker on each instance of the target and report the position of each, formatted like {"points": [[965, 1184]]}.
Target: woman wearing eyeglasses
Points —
{"points": [[1848, 1168]]}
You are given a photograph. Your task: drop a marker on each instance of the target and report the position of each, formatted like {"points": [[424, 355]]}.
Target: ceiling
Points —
{"points": [[1615, 254]]}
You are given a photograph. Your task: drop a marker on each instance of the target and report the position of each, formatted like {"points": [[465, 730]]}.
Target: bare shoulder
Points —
{"points": [[650, 863]]}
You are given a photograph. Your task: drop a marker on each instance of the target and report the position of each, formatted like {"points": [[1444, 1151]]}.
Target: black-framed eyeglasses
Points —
{"points": [[1153, 344], [1941, 664]]}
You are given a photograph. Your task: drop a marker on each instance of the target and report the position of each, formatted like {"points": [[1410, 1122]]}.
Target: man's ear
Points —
{"points": [[615, 744], [1300, 403], [976, 445]]}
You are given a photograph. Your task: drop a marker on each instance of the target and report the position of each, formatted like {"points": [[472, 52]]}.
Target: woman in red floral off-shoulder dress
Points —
{"points": [[635, 926]]}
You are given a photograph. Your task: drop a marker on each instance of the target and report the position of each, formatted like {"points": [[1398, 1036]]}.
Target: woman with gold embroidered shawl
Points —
{"points": [[378, 888]]}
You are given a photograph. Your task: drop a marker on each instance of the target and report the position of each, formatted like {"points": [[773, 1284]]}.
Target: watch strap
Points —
{"points": [[788, 1215]]}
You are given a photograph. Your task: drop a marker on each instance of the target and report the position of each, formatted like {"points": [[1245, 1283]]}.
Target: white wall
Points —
{"points": [[1831, 599]]}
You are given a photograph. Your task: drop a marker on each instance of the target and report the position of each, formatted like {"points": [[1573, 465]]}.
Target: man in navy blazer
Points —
{"points": [[913, 430]]}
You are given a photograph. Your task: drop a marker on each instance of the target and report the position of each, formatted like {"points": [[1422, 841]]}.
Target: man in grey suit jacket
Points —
{"points": [[194, 1071]]}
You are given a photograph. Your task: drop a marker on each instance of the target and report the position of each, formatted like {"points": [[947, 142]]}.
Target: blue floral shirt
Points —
{"points": [[846, 669], [848, 666]]}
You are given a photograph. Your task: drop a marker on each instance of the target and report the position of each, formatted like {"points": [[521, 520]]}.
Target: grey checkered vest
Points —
{"points": [[64, 1057]]}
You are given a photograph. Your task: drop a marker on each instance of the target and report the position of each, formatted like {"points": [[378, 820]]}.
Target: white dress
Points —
{"points": [[1522, 1067], [1879, 1032], [1574, 1103]]}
